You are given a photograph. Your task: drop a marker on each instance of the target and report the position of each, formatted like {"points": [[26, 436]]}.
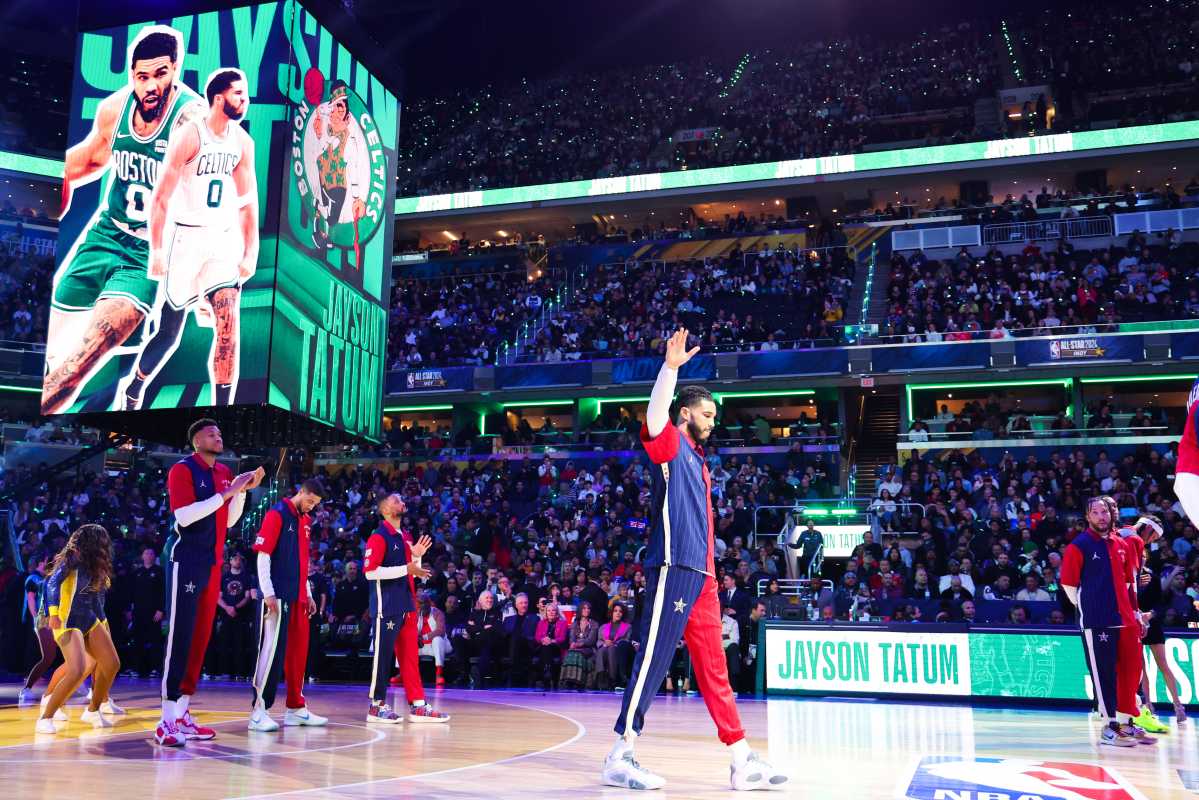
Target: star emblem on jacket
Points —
{"points": [[391, 625], [190, 587], [679, 605], [1103, 637], [1094, 556]]}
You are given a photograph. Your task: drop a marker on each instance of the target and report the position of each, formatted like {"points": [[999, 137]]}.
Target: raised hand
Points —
{"points": [[677, 353], [421, 546]]}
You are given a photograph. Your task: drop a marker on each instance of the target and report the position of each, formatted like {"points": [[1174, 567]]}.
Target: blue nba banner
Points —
{"points": [[819, 361], [569, 373], [1184, 345], [1075, 349], [906, 357], [634, 370], [431, 380]]}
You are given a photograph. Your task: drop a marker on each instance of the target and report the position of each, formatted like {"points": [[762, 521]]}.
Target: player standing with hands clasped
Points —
{"points": [[205, 500], [392, 565], [681, 583], [1099, 576]]}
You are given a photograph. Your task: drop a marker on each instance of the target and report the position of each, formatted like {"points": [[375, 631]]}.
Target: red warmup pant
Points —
{"points": [[703, 636], [407, 652], [202, 632], [297, 657], [1129, 664]]}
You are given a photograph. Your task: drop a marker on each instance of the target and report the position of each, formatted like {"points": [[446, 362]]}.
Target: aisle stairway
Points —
{"points": [[876, 442]]}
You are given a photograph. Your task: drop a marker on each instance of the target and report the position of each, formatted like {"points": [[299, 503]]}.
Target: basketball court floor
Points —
{"points": [[518, 744]]}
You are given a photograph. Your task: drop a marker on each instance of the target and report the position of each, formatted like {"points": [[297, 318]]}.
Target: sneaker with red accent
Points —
{"points": [[426, 713], [383, 714], [192, 729], [167, 734]]}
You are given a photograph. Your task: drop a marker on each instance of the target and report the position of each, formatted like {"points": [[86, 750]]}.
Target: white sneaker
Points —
{"points": [[756, 774], [60, 715], [95, 718], [45, 726], [626, 773], [302, 716], [25, 698], [260, 720], [110, 707]]}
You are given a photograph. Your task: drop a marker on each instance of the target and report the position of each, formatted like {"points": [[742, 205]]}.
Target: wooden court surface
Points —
{"points": [[538, 745]]}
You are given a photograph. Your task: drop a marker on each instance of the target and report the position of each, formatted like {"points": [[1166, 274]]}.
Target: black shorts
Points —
{"points": [[1155, 635]]}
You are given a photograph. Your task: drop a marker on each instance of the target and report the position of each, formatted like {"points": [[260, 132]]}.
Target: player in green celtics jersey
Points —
{"points": [[102, 291]]}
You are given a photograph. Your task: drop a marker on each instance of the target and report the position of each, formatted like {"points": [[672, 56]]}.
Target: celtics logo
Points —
{"points": [[339, 169]]}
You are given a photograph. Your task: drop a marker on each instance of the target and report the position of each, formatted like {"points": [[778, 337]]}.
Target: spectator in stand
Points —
{"points": [[1032, 591], [432, 636], [479, 641], [578, 663], [615, 650], [235, 622], [520, 631], [550, 642]]}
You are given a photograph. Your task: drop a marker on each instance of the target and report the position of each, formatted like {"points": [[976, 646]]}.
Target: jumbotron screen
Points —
{"points": [[228, 188]]}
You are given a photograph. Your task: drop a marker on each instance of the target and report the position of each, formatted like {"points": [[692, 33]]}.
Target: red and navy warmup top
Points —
{"points": [[1102, 569], [682, 526], [203, 542], [387, 547], [284, 537]]}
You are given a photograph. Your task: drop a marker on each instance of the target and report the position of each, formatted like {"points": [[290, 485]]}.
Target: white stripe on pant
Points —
{"points": [[166, 661], [378, 627], [648, 658], [266, 653], [1097, 686]]}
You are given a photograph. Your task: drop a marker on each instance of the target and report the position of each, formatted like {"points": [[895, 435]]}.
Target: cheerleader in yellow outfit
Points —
{"points": [[75, 593]]}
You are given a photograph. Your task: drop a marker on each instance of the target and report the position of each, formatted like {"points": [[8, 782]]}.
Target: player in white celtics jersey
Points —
{"points": [[203, 236], [101, 291]]}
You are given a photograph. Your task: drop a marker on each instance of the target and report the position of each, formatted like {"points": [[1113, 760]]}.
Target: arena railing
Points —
{"points": [[792, 587], [1048, 230], [967, 437], [492, 445]]}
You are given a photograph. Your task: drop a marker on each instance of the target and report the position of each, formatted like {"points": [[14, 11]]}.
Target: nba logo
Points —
{"points": [[1055, 350], [956, 778]]}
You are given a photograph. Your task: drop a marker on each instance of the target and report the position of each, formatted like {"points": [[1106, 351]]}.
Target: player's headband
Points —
{"points": [[1152, 523]]}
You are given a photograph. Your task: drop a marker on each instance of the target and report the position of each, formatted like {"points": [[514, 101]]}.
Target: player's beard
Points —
{"points": [[696, 433], [233, 113], [151, 114]]}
